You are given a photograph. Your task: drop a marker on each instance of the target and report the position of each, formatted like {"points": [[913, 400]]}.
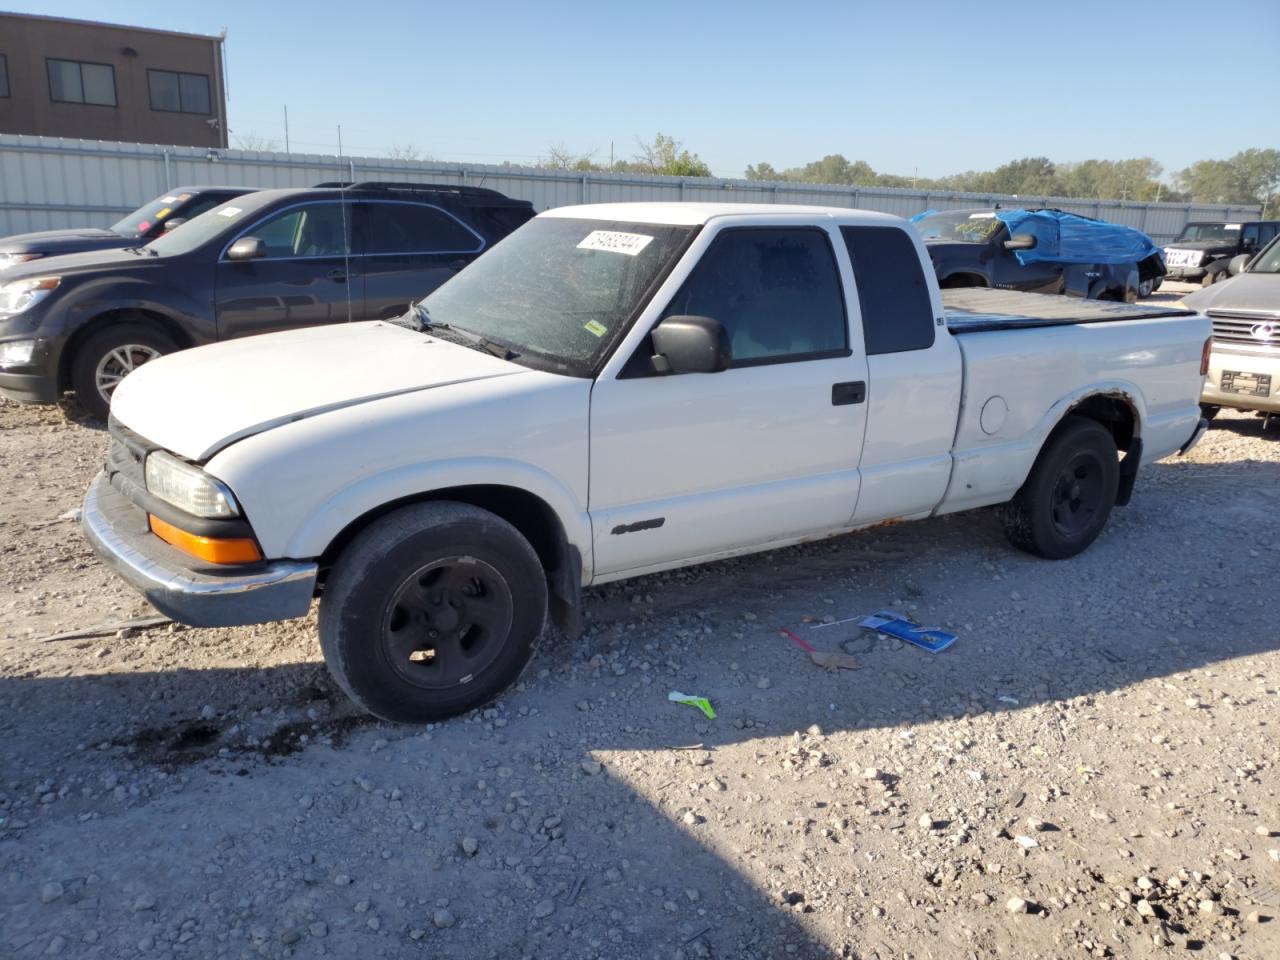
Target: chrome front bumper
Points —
{"points": [[203, 596]]}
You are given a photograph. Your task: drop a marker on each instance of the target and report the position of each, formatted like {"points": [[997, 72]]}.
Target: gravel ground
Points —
{"points": [[1089, 771]]}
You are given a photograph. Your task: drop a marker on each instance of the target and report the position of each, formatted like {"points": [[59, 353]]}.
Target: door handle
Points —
{"points": [[852, 391], [337, 276]]}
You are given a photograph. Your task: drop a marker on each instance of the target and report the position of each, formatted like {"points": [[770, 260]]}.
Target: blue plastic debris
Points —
{"points": [[1063, 237], [902, 627], [924, 213]]}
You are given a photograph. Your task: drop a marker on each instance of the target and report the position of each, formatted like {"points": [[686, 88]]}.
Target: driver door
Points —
{"points": [[309, 274], [691, 466]]}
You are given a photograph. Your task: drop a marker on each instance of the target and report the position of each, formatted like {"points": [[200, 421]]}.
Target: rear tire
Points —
{"points": [[108, 356], [431, 611], [1069, 493]]}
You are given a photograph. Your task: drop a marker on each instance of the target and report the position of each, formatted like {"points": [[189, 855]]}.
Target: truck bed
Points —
{"points": [[979, 309]]}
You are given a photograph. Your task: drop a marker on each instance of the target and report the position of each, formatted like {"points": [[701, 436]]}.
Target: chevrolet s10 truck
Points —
{"points": [[615, 390]]}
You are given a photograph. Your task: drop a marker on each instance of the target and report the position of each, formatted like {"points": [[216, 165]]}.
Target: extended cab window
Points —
{"points": [[311, 230], [897, 313], [776, 291], [414, 228]]}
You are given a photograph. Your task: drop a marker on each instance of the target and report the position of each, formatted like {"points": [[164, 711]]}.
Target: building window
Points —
{"points": [[178, 92], [73, 82], [4, 75]]}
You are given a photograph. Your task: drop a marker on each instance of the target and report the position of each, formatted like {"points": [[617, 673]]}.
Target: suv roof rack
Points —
{"points": [[389, 185]]}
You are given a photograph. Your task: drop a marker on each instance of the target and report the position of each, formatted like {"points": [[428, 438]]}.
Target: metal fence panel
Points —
{"points": [[48, 183]]}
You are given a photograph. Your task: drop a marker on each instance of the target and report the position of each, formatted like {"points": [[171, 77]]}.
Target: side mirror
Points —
{"points": [[1020, 241], [691, 345], [1238, 263], [175, 222], [247, 248]]}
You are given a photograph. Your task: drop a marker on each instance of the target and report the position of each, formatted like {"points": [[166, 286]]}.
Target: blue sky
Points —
{"points": [[933, 87]]}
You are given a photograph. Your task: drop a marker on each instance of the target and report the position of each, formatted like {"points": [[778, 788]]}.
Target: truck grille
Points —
{"points": [[1254, 329], [125, 457]]}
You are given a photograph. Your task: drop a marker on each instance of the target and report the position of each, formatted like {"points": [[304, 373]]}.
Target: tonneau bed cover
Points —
{"points": [[977, 309]]}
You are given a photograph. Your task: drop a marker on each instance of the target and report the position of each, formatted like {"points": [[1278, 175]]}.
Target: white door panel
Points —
{"points": [[727, 459], [912, 399]]}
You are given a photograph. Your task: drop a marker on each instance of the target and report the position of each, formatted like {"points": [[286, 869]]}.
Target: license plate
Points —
{"points": [[1249, 384], [1182, 258]]}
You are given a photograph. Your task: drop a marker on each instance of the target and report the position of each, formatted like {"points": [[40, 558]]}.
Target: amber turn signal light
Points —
{"points": [[212, 549]]}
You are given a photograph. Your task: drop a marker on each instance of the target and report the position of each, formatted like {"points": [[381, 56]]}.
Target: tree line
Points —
{"points": [[1249, 177]]}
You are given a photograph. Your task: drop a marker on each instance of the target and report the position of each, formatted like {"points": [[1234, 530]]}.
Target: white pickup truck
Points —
{"points": [[615, 390]]}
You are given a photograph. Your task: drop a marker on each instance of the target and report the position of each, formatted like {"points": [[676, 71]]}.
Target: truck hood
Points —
{"points": [[61, 265], [198, 401], [1246, 291]]}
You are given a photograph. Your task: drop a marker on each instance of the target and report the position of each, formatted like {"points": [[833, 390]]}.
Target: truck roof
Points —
{"points": [[694, 213]]}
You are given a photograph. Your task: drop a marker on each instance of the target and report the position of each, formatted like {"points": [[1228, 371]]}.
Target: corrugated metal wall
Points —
{"points": [[46, 183]]}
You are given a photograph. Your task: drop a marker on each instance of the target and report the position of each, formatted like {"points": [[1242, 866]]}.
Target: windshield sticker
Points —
{"points": [[981, 216], [164, 213], [168, 199], [615, 242], [596, 327], [1233, 226], [182, 198], [230, 212]]}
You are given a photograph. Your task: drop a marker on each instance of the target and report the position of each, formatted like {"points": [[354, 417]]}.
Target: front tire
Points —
{"points": [[1068, 496], [107, 357], [432, 610]]}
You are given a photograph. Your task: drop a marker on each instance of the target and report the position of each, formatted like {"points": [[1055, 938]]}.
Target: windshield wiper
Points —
{"points": [[419, 315]]}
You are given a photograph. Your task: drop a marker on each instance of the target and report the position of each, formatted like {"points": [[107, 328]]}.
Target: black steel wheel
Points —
{"points": [[1068, 496], [432, 610], [447, 622]]}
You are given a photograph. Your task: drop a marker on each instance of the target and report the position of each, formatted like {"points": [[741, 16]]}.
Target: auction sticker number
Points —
{"points": [[615, 242]]}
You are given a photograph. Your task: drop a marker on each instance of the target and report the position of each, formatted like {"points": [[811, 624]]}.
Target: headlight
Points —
{"points": [[188, 488], [12, 259], [20, 295], [16, 353]]}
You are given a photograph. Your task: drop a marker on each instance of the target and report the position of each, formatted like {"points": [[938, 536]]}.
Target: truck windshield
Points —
{"points": [[964, 227], [1195, 232], [561, 290]]}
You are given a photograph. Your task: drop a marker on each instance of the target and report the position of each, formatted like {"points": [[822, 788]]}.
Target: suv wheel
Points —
{"points": [[432, 610], [108, 356]]}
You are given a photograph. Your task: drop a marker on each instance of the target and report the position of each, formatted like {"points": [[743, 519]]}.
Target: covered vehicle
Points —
{"points": [[1244, 367], [1040, 251], [1203, 251], [143, 225]]}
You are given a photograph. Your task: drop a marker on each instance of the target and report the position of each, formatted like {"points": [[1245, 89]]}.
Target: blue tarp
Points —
{"points": [[1067, 238]]}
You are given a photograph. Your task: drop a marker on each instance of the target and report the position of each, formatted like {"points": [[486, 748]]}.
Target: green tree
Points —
{"points": [[762, 171], [665, 156], [1251, 176]]}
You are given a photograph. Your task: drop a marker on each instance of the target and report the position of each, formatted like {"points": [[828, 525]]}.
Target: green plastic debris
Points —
{"points": [[702, 703]]}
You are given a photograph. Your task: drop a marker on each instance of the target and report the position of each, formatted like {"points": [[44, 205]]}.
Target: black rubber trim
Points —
{"points": [[1129, 472]]}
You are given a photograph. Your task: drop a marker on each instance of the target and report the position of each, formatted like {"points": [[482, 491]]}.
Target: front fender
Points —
{"points": [[335, 513], [114, 294]]}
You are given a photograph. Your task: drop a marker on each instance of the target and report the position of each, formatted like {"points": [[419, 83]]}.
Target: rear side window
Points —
{"points": [[413, 228], [897, 313], [776, 291]]}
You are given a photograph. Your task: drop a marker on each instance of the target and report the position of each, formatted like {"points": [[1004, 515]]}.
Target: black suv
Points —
{"points": [[269, 260], [1204, 250], [142, 226]]}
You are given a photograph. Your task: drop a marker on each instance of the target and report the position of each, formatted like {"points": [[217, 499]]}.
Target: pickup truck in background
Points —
{"points": [[612, 391], [1040, 251], [1244, 367], [1203, 251]]}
